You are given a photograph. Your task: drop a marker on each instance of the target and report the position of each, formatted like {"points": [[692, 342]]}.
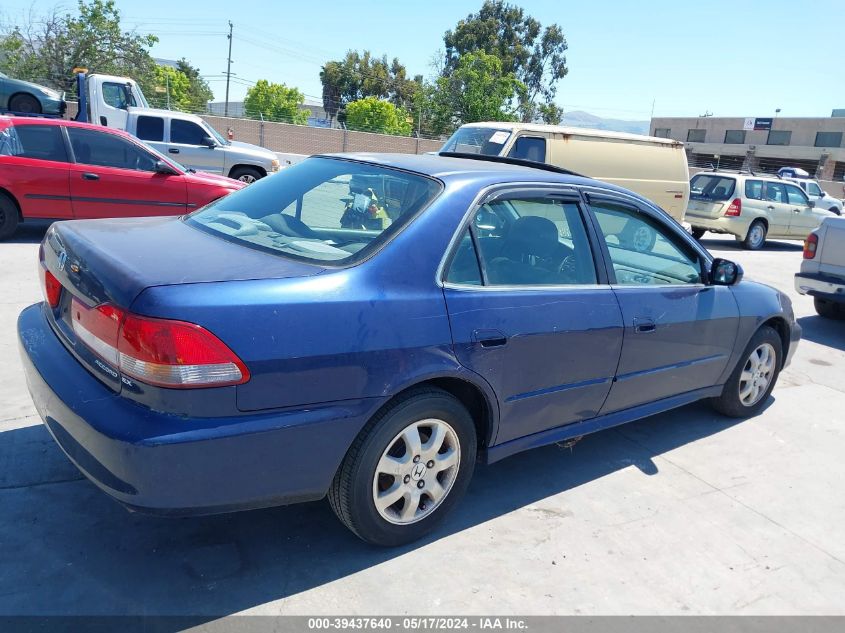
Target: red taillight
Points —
{"points": [[51, 287], [735, 208], [159, 352], [810, 246]]}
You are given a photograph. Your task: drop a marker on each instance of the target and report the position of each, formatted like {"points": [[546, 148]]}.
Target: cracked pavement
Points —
{"points": [[682, 513]]}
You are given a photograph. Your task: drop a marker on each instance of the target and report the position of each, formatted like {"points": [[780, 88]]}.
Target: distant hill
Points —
{"points": [[579, 118]]}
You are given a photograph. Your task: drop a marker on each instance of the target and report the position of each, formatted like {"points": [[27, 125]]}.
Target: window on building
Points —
{"points": [[696, 136], [735, 137], [828, 139], [662, 132], [779, 137]]}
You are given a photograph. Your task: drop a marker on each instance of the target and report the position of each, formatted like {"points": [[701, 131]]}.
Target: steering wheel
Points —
{"points": [[568, 268]]}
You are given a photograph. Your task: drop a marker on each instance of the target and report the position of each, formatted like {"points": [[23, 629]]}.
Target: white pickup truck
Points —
{"points": [[822, 273], [118, 102]]}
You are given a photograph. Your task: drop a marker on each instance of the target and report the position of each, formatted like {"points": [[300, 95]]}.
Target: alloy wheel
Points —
{"points": [[247, 178], [416, 471], [757, 374]]}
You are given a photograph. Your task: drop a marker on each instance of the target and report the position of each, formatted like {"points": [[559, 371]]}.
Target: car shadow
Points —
{"points": [[733, 245], [72, 550], [827, 332]]}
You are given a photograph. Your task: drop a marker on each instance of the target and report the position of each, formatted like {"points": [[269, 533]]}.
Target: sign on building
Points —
{"points": [[757, 124]]}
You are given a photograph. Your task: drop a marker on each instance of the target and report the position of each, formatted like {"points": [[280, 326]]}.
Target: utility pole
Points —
{"points": [[228, 70]]}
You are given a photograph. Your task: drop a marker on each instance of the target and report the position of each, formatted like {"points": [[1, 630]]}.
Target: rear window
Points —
{"points": [[43, 142], [321, 210], [711, 187], [754, 189], [477, 140]]}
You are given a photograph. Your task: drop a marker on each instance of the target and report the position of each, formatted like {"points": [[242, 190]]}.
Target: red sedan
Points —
{"points": [[61, 170]]}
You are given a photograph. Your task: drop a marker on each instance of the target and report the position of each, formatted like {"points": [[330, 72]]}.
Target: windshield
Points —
{"points": [[711, 187], [477, 140], [321, 210], [216, 134]]}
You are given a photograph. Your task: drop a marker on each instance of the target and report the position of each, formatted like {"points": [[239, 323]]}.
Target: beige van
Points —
{"points": [[655, 168]]}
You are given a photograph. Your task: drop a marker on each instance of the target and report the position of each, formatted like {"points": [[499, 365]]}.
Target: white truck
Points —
{"points": [[118, 102], [822, 274], [812, 188]]}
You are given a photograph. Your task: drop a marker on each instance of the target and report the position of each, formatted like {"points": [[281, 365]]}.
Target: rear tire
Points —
{"points": [[756, 237], [246, 174], [754, 376], [407, 469], [697, 233], [9, 217], [829, 309], [835, 210], [25, 103]]}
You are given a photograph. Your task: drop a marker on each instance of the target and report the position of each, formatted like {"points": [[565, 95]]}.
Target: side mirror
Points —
{"points": [[209, 142], [724, 272], [823, 194], [163, 168], [811, 203]]}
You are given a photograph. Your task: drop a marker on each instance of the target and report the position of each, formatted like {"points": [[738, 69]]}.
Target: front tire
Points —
{"points": [[25, 103], [754, 377], [697, 233], [756, 236], [246, 174], [407, 469]]}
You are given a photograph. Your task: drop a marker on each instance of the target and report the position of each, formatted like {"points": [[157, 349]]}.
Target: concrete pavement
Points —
{"points": [[682, 513]]}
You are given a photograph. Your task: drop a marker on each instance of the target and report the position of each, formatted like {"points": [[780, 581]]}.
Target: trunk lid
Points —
{"points": [[114, 260]]}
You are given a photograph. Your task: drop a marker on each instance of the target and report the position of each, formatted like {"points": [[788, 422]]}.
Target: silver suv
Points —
{"points": [[750, 207]]}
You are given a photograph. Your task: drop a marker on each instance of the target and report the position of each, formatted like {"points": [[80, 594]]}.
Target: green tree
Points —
{"points": [[377, 115], [533, 54], [478, 89], [199, 92], [361, 75], [275, 102], [47, 48], [167, 87]]}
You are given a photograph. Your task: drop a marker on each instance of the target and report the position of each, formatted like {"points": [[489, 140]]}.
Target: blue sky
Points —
{"points": [[731, 58]]}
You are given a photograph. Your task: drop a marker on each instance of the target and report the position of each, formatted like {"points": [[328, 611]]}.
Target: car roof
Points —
{"points": [[577, 131], [743, 174], [35, 120]]}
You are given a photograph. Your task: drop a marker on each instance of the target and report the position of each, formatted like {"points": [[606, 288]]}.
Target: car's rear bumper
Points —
{"points": [[823, 286], [736, 226], [166, 464]]}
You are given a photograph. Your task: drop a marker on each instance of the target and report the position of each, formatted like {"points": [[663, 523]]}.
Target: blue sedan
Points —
{"points": [[366, 327]]}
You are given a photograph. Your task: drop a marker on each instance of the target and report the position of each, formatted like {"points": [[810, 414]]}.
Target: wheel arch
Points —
{"points": [[238, 166], [779, 325]]}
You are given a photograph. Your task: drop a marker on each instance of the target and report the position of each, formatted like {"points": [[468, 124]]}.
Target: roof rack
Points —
{"points": [[732, 171], [507, 160]]}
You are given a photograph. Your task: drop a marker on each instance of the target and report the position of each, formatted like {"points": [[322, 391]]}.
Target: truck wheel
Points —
{"points": [[25, 103], [756, 236], [828, 309], [754, 376], [246, 174], [406, 470], [8, 217]]}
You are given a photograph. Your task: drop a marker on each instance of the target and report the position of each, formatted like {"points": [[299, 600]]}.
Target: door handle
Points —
{"points": [[173, 150], [771, 207], [796, 210], [89, 176], [489, 338], [644, 325]]}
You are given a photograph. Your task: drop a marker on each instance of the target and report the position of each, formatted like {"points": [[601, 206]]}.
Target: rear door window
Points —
{"points": [[150, 128], [775, 192], [529, 148], [43, 142], [712, 187]]}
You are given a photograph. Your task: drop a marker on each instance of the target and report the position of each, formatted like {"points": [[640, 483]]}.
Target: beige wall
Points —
{"points": [[301, 139]]}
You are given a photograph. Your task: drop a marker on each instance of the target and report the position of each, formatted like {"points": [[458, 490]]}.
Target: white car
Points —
{"points": [[812, 188], [822, 273]]}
